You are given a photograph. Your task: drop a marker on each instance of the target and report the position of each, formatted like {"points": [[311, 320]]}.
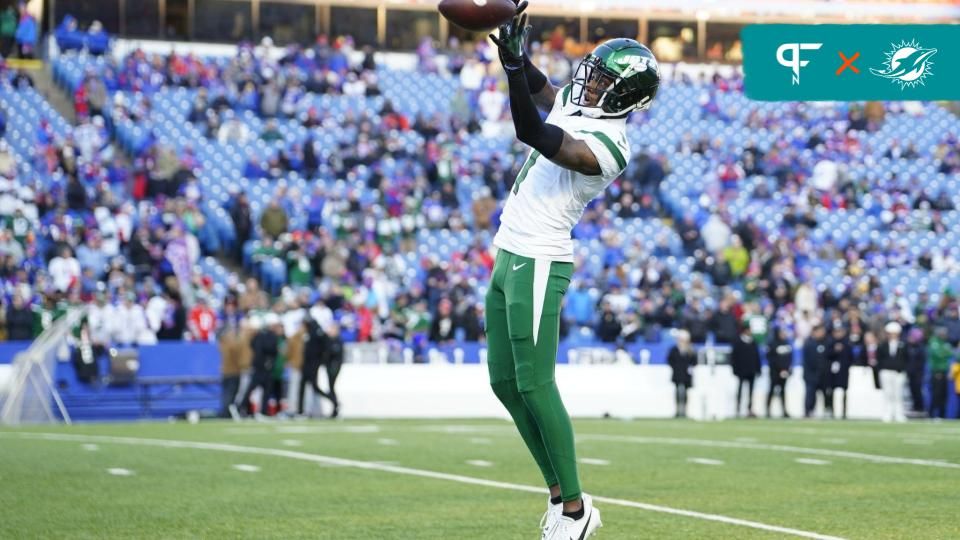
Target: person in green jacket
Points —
{"points": [[940, 354], [8, 28]]}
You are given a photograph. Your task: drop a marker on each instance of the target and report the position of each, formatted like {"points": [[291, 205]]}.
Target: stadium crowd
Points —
{"points": [[126, 234]]}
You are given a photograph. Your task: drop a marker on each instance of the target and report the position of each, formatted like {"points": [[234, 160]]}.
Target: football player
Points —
{"points": [[575, 154]]}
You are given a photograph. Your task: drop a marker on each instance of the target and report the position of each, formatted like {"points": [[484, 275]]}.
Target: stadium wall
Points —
{"points": [[442, 389], [619, 391]]}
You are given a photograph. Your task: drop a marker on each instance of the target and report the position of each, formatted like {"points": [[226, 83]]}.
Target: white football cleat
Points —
{"points": [[550, 516], [567, 528]]}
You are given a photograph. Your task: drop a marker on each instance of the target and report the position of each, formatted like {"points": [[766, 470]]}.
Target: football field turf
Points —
{"points": [[457, 479]]}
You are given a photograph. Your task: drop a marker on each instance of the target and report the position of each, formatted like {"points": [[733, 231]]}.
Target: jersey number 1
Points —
{"points": [[524, 170]]}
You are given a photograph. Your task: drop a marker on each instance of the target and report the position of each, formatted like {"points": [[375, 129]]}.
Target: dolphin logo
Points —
{"points": [[908, 64]]}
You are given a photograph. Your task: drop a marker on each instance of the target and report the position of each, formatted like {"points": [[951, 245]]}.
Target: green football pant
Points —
{"points": [[523, 327]]}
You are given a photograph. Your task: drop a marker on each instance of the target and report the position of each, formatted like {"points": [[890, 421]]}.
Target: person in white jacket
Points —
{"points": [[64, 270], [129, 322], [101, 317]]}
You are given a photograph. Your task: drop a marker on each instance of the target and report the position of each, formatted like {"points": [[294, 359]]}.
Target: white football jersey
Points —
{"points": [[547, 201]]}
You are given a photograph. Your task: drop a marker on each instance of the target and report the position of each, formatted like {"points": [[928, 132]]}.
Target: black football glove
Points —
{"points": [[512, 39]]}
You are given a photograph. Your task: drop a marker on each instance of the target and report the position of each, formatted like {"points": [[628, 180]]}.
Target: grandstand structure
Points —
{"points": [[854, 201]]}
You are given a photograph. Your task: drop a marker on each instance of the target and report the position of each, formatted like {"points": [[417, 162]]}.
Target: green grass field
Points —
{"points": [[377, 480]]}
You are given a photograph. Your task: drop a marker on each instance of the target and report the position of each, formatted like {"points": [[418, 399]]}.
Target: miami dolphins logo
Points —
{"points": [[907, 64]]}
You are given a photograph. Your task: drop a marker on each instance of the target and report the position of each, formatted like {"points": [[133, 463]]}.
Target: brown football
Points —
{"points": [[477, 15]]}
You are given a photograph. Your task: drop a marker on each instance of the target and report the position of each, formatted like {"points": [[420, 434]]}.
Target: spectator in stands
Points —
{"points": [[174, 322], [273, 221], [723, 323], [814, 366], [98, 40], [202, 320], [271, 132], [492, 103], [233, 130], [27, 33], [608, 327], [736, 256], [8, 162], [716, 233], [19, 320], [129, 322], [941, 355], [443, 326], [839, 360], [64, 270], [8, 29], [745, 359], [68, 36], [682, 359], [689, 234], [100, 318], [91, 255], [891, 363], [470, 321], [11, 248]]}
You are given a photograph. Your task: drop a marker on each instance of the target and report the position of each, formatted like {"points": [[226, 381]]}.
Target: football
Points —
{"points": [[477, 15]]}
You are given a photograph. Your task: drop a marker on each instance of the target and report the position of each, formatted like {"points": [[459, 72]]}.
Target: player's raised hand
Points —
{"points": [[512, 39]]}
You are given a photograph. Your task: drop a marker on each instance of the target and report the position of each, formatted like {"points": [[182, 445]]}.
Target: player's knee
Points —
{"points": [[506, 390]]}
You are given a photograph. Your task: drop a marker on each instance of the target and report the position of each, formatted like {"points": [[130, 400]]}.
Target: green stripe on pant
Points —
{"points": [[523, 307]]}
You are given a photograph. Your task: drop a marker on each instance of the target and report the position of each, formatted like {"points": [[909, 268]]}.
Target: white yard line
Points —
{"points": [[117, 471], [287, 429], [290, 454], [838, 429], [246, 468], [918, 442], [593, 461], [811, 461], [708, 443], [705, 461], [480, 440]]}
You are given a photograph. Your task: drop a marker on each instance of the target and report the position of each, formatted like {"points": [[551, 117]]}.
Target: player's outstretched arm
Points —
{"points": [[511, 45], [551, 141]]}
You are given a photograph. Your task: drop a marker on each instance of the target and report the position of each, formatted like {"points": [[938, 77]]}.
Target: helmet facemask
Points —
{"points": [[602, 92]]}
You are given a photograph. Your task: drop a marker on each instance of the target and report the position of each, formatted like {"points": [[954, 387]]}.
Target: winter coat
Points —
{"points": [[839, 360], [745, 359], [681, 363], [27, 31], [814, 360], [896, 362], [780, 359]]}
